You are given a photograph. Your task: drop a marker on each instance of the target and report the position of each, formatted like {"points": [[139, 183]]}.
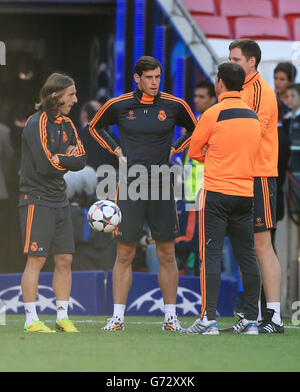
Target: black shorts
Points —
{"points": [[46, 230], [161, 216], [265, 195]]}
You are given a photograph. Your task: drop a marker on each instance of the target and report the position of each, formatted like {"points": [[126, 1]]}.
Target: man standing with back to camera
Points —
{"points": [[50, 147], [261, 98], [146, 118], [230, 134]]}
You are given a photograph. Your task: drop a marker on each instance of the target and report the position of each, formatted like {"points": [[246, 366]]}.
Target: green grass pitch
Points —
{"points": [[143, 346]]}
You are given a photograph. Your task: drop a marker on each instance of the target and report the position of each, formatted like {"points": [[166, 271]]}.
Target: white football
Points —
{"points": [[105, 216]]}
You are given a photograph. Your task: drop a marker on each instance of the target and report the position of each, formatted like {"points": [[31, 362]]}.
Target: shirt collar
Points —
{"points": [[251, 79], [55, 120], [229, 94], [144, 98]]}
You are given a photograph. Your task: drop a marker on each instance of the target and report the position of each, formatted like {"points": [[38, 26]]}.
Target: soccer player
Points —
{"points": [[146, 118], [261, 98], [204, 96], [226, 139], [50, 147]]}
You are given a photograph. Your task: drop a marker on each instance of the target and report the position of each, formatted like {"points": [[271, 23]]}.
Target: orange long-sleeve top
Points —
{"points": [[233, 133], [261, 98]]}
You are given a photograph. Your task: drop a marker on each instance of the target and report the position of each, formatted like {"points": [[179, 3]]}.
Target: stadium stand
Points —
{"points": [[290, 11], [285, 12], [196, 7], [261, 28], [235, 8], [214, 26], [296, 29]]}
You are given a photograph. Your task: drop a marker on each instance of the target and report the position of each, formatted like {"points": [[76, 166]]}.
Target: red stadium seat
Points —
{"points": [[200, 7], [262, 28], [289, 10], [296, 35], [238, 8], [235, 8], [288, 7], [213, 26]]}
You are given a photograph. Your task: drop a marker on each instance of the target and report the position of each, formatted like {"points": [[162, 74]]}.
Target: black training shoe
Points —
{"points": [[241, 316], [268, 326]]}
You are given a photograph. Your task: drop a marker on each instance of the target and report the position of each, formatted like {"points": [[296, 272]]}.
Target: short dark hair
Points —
{"points": [[232, 75], [146, 63], [288, 68], [248, 47], [209, 86]]}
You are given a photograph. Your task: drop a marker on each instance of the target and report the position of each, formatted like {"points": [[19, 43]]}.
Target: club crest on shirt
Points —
{"points": [[131, 115], [162, 115], [34, 246], [259, 222]]}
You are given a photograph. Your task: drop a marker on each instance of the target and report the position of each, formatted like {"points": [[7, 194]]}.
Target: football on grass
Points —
{"points": [[104, 216]]}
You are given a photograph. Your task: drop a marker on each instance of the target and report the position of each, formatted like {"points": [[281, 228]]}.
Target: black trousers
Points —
{"points": [[221, 214]]}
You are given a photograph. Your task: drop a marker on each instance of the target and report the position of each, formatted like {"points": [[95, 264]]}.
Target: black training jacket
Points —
{"points": [[41, 179], [145, 125]]}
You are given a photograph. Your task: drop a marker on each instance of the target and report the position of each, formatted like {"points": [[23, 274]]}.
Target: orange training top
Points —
{"points": [[232, 131], [262, 99]]}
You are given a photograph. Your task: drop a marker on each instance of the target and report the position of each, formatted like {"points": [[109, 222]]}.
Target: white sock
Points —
{"points": [[62, 310], [276, 307], [119, 310], [259, 317], [170, 311], [30, 311]]}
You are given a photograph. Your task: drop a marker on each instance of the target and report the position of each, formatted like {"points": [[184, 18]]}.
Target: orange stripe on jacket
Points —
{"points": [[98, 115], [107, 105], [43, 137], [202, 242], [172, 98]]}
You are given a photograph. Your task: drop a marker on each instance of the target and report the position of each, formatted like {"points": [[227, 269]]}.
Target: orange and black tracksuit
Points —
{"points": [[44, 207], [232, 133], [262, 99], [41, 178], [146, 129], [145, 125]]}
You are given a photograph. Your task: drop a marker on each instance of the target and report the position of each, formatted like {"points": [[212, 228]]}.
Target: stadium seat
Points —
{"points": [[238, 8], [290, 10], [214, 26], [202, 7], [235, 8], [288, 7], [296, 35], [262, 28]]}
